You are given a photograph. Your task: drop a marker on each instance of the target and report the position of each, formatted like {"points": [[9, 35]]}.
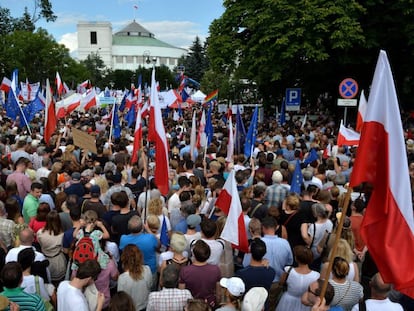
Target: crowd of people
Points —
{"points": [[91, 231]]}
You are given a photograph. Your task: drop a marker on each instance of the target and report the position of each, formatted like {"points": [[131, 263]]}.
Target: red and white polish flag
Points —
{"points": [[228, 201], [347, 136], [388, 224], [362, 108], [137, 137], [160, 138]]}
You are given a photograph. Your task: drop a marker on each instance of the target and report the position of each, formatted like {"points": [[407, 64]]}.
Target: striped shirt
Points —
{"points": [[24, 300]]}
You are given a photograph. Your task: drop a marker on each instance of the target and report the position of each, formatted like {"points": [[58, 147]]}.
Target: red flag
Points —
{"points": [[151, 122], [5, 84], [347, 137], [362, 108], [89, 100], [228, 201], [29, 90], [388, 224], [59, 84], [85, 84], [130, 100], [66, 106], [137, 137], [50, 114], [66, 89], [161, 145], [145, 110]]}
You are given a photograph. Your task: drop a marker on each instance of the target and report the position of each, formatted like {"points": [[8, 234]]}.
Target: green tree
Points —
{"points": [[42, 9], [95, 66], [6, 21], [312, 44], [25, 23], [39, 56], [269, 41], [195, 62]]}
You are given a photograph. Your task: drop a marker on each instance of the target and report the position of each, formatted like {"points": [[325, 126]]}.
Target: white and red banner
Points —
{"points": [[161, 145], [67, 105], [50, 114], [28, 90], [388, 224], [5, 84], [59, 84], [362, 108], [137, 137], [228, 201], [347, 136]]}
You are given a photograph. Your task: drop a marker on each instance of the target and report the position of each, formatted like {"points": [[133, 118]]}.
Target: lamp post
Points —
{"points": [[147, 57]]}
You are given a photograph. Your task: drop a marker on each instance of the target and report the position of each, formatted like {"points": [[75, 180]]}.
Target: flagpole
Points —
{"points": [[112, 121], [336, 242]]}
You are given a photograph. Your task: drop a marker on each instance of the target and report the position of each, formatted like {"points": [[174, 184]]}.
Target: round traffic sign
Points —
{"points": [[348, 88]]}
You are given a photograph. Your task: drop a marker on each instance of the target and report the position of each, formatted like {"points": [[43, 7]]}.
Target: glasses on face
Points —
{"points": [[312, 292]]}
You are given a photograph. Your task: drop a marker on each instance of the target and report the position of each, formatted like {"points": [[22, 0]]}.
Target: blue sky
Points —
{"points": [[176, 22]]}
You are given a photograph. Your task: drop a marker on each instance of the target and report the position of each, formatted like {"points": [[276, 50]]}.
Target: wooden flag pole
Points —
{"points": [[336, 242]]}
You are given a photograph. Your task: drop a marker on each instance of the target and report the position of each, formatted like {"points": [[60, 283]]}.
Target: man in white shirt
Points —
{"points": [[208, 231], [70, 293], [44, 171], [26, 237], [379, 297]]}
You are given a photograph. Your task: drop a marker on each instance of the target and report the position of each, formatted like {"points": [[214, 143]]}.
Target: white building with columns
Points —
{"points": [[127, 49]]}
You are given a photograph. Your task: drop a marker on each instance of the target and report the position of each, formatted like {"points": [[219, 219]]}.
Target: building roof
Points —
{"points": [[134, 30], [140, 41]]}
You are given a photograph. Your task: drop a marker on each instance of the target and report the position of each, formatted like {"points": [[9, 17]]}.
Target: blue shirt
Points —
{"points": [[279, 254], [147, 244]]}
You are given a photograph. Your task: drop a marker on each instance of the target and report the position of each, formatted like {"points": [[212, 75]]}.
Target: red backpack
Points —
{"points": [[84, 250]]}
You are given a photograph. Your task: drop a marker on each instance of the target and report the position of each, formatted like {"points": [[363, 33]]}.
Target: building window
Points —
{"points": [[119, 59], [163, 60], [129, 59], [94, 39]]}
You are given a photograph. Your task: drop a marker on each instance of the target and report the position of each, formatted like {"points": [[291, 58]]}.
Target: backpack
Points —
{"points": [[84, 250]]}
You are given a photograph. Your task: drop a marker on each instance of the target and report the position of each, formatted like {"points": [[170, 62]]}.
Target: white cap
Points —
{"points": [[254, 299], [234, 285]]}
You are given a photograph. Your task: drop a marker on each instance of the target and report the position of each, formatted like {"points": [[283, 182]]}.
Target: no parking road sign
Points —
{"points": [[348, 88]]}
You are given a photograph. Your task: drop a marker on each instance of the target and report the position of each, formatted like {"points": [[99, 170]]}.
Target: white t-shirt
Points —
{"points": [[216, 247], [14, 252], [374, 305], [70, 298], [29, 286], [320, 228]]}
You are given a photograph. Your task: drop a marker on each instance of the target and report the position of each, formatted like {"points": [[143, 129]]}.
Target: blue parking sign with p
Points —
{"points": [[293, 97]]}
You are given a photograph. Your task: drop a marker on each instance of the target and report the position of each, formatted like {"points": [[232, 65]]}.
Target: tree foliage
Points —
{"points": [[195, 62], [38, 56], [41, 9], [311, 44]]}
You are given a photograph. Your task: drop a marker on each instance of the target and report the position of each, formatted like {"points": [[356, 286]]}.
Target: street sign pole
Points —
{"points": [[345, 115]]}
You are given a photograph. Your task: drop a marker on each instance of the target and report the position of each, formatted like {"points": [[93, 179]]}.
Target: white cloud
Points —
{"points": [[70, 40]]}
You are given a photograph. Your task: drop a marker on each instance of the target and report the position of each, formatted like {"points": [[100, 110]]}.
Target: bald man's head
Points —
{"points": [[26, 237]]}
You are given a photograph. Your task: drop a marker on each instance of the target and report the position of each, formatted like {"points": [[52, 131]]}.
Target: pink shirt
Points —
{"points": [[22, 181], [102, 282]]}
